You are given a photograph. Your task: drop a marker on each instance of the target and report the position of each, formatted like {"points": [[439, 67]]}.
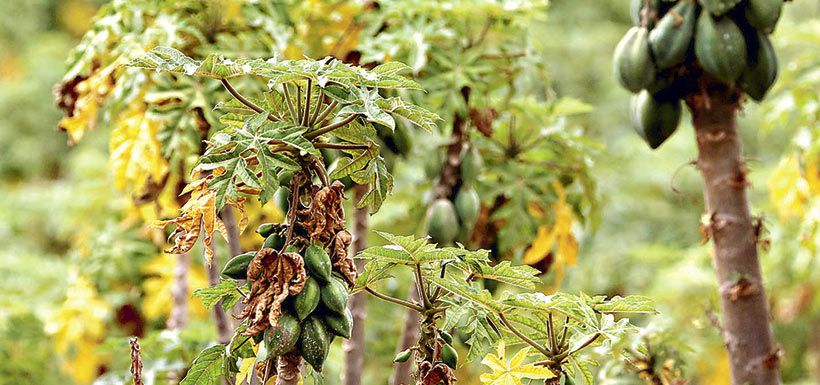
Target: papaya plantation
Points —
{"points": [[435, 192]]}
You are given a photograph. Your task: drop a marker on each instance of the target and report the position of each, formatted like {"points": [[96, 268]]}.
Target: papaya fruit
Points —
{"points": [[719, 7], [432, 163], [282, 338], [274, 241], [317, 262], [468, 206], [282, 199], [654, 118], [285, 177], [632, 61], [402, 139], [447, 337], [339, 324], [763, 14], [720, 47], [403, 355], [671, 38], [761, 70], [306, 301], [266, 229], [471, 165], [636, 9], [449, 355], [334, 295], [314, 342], [442, 222], [237, 267]]}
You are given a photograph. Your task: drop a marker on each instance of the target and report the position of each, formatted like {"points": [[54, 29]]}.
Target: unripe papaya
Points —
{"points": [[339, 324], [763, 14], [632, 61], [281, 338], [432, 163], [654, 119], [671, 38], [314, 342], [761, 71], [307, 299], [442, 222], [720, 47], [285, 177], [282, 198], [449, 355], [266, 229], [468, 206], [318, 263], [237, 267], [471, 165], [719, 7], [274, 241], [403, 355], [446, 337], [334, 295]]}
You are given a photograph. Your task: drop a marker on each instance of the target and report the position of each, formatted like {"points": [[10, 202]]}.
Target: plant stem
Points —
{"points": [[330, 127], [319, 102], [306, 113], [289, 103], [425, 301], [336, 146], [299, 104], [244, 100], [395, 300], [522, 336], [325, 113], [223, 327]]}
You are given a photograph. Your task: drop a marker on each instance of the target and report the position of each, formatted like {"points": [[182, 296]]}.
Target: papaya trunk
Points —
{"points": [[228, 218], [745, 313], [223, 324], [354, 347], [409, 335], [179, 292], [288, 367]]}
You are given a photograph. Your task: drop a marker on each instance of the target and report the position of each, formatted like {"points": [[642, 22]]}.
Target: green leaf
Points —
{"points": [[207, 368], [468, 292], [226, 290], [629, 304], [374, 271], [213, 66], [517, 275], [407, 250]]}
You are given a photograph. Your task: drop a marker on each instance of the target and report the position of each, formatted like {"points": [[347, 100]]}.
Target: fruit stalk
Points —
{"points": [[745, 325], [354, 347]]}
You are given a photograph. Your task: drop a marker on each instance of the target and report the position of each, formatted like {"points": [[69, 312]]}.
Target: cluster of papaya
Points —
{"points": [[449, 221], [725, 38], [449, 355], [314, 317]]}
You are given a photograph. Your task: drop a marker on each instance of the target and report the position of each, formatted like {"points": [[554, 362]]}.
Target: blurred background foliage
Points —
{"points": [[80, 273]]}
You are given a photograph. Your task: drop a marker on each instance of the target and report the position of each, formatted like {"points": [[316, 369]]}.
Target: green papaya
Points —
{"points": [[720, 47], [442, 222], [314, 342], [654, 118], [266, 229], [334, 295], [671, 38], [274, 241], [432, 163], [318, 262], [307, 299], [285, 177], [468, 206], [632, 61], [237, 267], [471, 165], [282, 198], [446, 337], [761, 70], [449, 355], [763, 14], [402, 139], [281, 338], [636, 9], [403, 355], [719, 7], [339, 324]]}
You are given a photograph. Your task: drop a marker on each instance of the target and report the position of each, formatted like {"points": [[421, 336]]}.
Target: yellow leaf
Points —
{"points": [[558, 238], [157, 287], [78, 327], [788, 190], [245, 370], [511, 373], [136, 154], [91, 92], [540, 248]]}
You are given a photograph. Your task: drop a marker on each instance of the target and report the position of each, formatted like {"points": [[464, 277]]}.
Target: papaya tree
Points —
{"points": [[712, 54]]}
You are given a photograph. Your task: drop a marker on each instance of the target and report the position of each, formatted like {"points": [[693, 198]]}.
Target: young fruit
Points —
{"points": [[237, 267], [670, 39], [654, 119], [282, 198], [720, 47], [339, 324], [314, 342], [449, 355], [471, 165], [274, 241], [281, 338], [334, 295], [266, 229], [318, 262], [468, 206], [761, 71], [763, 14], [446, 337], [719, 7], [442, 223], [403, 355], [632, 61], [307, 299]]}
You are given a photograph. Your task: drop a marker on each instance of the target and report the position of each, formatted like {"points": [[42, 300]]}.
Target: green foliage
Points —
{"points": [[207, 368], [226, 291]]}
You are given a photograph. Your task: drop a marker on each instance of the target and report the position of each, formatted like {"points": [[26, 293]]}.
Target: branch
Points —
{"points": [[330, 127], [244, 100], [425, 301], [522, 336], [325, 112], [319, 102], [306, 113], [299, 104], [336, 146], [289, 103], [397, 301]]}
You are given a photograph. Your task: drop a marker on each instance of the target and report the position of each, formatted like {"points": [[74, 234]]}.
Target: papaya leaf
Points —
{"points": [[517, 275], [628, 304], [374, 271], [468, 292], [226, 291], [207, 368], [407, 250]]}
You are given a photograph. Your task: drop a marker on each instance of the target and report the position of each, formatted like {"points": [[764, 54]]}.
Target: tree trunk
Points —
{"points": [[179, 292], [229, 219], [354, 347], [745, 325], [409, 336], [288, 367], [223, 323]]}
